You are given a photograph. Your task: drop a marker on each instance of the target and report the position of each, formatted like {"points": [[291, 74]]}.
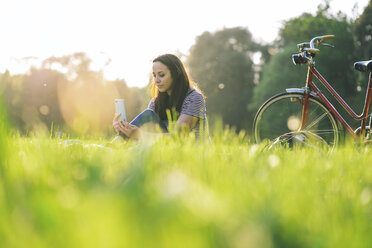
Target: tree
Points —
{"points": [[334, 63], [73, 95], [277, 75], [40, 99], [221, 63], [12, 88], [362, 29], [363, 34], [3, 133], [86, 101]]}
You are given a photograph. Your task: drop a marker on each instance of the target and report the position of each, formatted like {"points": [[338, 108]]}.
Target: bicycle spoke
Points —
{"points": [[323, 131], [316, 121]]}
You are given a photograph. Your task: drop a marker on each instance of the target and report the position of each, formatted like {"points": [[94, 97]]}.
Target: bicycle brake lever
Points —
{"points": [[328, 45]]}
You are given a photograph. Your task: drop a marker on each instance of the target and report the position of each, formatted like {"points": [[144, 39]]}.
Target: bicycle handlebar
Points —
{"points": [[308, 51], [320, 39]]}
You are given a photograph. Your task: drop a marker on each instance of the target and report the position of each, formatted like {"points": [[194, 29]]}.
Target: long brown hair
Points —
{"points": [[180, 85]]}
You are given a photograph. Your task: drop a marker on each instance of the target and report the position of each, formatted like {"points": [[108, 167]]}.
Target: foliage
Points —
{"points": [[362, 30], [303, 27], [277, 75], [363, 33], [3, 132], [221, 63], [64, 94], [335, 64], [175, 193]]}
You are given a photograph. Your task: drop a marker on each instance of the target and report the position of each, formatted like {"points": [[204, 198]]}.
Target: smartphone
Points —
{"points": [[120, 108]]}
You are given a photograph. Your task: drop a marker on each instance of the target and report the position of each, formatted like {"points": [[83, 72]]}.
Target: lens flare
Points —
{"points": [[87, 107], [293, 123], [44, 110]]}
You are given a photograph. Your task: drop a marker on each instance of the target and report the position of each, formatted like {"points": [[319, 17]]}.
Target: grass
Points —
{"points": [[174, 192]]}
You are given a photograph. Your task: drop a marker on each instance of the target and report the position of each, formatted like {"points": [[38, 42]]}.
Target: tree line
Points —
{"points": [[71, 99], [75, 98]]}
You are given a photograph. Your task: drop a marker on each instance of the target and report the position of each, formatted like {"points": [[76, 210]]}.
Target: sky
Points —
{"points": [[122, 37]]}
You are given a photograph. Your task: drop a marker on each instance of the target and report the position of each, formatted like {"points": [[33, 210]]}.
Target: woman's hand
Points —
{"points": [[128, 129], [115, 123]]}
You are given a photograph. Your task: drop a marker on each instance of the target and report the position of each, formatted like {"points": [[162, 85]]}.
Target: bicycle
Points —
{"points": [[304, 116]]}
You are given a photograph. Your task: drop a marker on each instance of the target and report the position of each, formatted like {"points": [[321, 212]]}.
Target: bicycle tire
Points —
{"points": [[278, 120]]}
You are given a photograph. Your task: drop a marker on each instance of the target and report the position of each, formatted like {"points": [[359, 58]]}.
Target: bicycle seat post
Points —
{"points": [[370, 115], [368, 135]]}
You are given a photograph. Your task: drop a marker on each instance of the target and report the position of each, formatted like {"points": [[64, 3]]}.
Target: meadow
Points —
{"points": [[175, 192]]}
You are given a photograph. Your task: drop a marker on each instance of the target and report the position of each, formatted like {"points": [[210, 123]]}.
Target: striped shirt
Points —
{"points": [[193, 105]]}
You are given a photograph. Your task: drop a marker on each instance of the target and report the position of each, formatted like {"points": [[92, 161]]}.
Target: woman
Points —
{"points": [[171, 90]]}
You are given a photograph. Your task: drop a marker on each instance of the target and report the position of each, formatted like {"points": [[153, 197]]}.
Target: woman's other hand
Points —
{"points": [[128, 129]]}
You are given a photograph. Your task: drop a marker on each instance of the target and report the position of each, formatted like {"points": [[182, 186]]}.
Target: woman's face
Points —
{"points": [[162, 77]]}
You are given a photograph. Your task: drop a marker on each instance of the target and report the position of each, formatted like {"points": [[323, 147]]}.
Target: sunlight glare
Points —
{"points": [[87, 107], [44, 110], [293, 123]]}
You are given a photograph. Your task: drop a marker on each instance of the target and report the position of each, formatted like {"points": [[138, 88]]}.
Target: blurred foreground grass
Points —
{"points": [[177, 193]]}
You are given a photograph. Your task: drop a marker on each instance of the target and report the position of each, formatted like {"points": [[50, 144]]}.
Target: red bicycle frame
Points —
{"points": [[310, 85]]}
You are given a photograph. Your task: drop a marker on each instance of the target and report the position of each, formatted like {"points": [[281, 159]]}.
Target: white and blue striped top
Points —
{"points": [[193, 105]]}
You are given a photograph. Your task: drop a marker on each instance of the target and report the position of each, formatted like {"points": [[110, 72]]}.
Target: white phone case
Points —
{"points": [[120, 108]]}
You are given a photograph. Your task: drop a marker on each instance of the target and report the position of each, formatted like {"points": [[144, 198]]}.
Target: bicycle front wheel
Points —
{"points": [[278, 121]]}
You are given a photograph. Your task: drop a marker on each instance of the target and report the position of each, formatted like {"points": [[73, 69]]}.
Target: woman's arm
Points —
{"points": [[193, 108], [186, 122]]}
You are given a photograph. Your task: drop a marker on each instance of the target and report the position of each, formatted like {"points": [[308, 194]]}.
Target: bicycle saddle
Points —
{"points": [[364, 66]]}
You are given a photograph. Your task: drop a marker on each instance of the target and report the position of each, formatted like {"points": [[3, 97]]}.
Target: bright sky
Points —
{"points": [[131, 33]]}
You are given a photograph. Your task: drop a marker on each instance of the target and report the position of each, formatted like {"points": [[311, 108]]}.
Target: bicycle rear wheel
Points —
{"points": [[279, 119]]}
